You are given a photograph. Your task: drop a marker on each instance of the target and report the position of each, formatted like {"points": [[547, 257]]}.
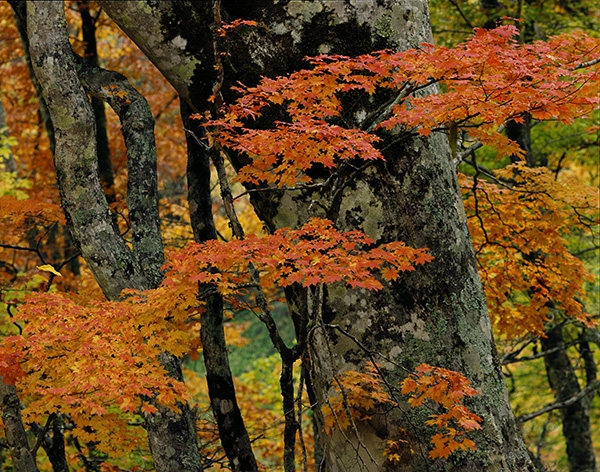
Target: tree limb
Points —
{"points": [[142, 181], [555, 406]]}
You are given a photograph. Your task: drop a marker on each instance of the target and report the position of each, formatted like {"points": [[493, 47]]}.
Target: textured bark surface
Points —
{"points": [[22, 458], [232, 432], [177, 37], [142, 183], [93, 230], [575, 417], [435, 315], [171, 435]]}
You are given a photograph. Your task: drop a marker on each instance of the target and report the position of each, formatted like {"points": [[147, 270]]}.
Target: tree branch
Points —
{"points": [[555, 406], [142, 181]]}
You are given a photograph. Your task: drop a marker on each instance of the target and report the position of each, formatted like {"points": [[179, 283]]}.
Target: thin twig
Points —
{"points": [[509, 359]]}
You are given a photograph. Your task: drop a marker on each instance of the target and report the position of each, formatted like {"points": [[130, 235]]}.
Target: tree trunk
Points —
{"points": [[22, 458], [88, 30], [221, 389], [172, 435], [20, 12], [575, 417], [435, 315]]}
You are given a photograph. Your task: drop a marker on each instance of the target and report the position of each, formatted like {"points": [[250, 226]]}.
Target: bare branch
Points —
{"points": [[555, 406]]}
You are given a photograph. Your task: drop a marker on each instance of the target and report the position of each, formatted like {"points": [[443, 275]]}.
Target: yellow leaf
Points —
{"points": [[49, 268]]}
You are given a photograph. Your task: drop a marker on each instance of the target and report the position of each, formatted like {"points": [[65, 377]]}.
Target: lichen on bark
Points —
{"points": [[435, 314]]}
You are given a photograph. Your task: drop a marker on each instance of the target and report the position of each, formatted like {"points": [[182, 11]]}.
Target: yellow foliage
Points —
{"points": [[520, 225]]}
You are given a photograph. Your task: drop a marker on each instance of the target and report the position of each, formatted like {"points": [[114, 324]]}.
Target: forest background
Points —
{"points": [[553, 219]]}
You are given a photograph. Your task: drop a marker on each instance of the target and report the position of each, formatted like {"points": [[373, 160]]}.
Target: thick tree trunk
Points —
{"points": [[437, 314]]}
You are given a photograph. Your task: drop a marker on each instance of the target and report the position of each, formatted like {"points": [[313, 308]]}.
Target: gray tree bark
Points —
{"points": [[575, 417], [172, 435], [435, 315], [20, 453]]}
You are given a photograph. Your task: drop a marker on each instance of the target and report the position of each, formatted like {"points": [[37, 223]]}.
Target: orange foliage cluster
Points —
{"points": [[359, 394], [98, 362], [316, 253], [487, 81], [519, 230], [16, 214], [445, 388]]}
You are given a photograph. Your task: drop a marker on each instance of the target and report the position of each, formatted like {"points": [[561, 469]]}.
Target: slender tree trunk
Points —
{"points": [[221, 389], [22, 458], [20, 11], [232, 432], [53, 444], [88, 29], [575, 417]]}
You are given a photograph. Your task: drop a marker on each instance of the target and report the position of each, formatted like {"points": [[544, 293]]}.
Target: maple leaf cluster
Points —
{"points": [[357, 395], [447, 389], [97, 363], [313, 254], [487, 81]]}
